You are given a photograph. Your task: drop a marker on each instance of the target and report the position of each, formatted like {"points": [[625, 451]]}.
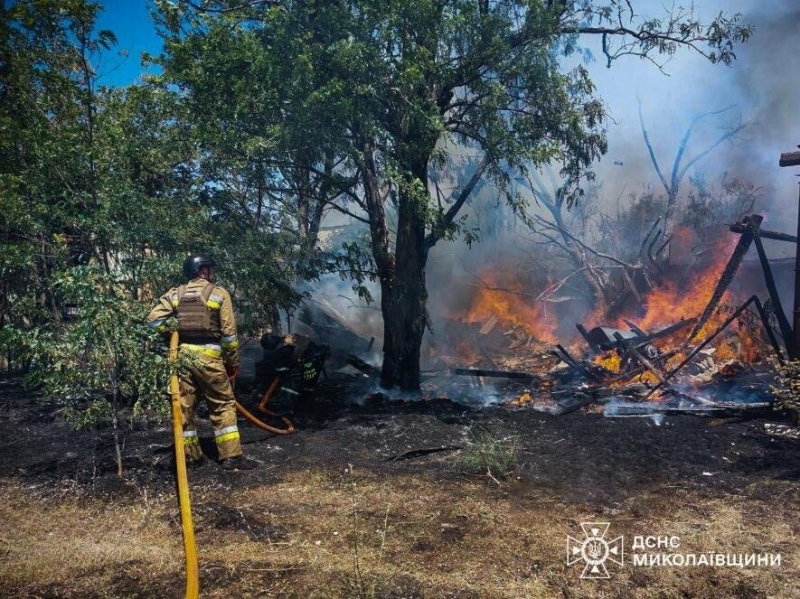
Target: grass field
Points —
{"points": [[357, 533]]}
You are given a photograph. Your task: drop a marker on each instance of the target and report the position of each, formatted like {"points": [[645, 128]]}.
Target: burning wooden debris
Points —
{"points": [[683, 367], [622, 369]]}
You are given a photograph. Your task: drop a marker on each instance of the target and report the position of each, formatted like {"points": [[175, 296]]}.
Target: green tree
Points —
{"points": [[48, 178], [270, 165], [88, 179], [88, 174], [400, 82]]}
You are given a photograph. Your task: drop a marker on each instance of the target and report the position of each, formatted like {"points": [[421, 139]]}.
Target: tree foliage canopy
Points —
{"points": [[269, 116]]}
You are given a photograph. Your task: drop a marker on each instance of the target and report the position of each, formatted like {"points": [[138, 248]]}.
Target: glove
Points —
{"points": [[233, 372]]}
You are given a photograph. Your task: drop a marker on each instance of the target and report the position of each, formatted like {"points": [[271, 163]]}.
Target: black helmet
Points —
{"points": [[193, 264]]}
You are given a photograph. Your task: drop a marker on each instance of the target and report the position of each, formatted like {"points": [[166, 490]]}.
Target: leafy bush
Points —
{"points": [[95, 415], [104, 351]]}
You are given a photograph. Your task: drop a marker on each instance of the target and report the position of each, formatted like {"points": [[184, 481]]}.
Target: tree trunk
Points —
{"points": [[404, 313], [404, 309], [578, 257], [402, 273]]}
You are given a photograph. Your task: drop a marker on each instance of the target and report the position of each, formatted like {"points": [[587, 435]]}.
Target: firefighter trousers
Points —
{"points": [[206, 375]]}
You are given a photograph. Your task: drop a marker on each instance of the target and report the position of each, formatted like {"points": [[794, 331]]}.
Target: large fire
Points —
{"points": [[508, 302], [672, 302]]}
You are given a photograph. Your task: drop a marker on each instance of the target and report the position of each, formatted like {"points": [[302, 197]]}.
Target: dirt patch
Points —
{"points": [[346, 506]]}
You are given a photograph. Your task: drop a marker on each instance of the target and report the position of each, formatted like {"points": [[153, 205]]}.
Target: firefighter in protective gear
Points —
{"points": [[207, 329]]}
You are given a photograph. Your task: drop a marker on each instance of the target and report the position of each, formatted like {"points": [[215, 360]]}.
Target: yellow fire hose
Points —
{"points": [[189, 545]]}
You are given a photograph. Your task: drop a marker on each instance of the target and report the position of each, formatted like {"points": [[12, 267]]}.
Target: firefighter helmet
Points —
{"points": [[193, 264]]}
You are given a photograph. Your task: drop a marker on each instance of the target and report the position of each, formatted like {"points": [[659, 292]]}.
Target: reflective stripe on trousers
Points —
{"points": [[226, 434]]}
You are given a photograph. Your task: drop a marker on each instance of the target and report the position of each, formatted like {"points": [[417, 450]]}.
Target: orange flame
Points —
{"points": [[511, 306], [671, 303], [505, 300]]}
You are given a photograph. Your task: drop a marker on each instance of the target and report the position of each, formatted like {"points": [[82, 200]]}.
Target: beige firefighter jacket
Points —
{"points": [[227, 345]]}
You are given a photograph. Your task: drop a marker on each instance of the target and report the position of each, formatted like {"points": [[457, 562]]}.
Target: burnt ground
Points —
{"points": [[593, 464], [582, 457]]}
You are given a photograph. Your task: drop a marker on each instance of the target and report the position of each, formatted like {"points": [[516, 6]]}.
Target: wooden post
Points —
{"points": [[793, 159], [783, 322], [796, 316]]}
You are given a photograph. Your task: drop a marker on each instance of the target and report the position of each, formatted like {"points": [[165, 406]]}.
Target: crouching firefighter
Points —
{"points": [[294, 360], [207, 329]]}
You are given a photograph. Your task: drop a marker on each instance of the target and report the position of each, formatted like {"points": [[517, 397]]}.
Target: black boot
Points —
{"points": [[239, 463], [197, 463]]}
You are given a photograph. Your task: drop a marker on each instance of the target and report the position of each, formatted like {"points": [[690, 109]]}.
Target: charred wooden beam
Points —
{"points": [[768, 328], [415, 453], [796, 310], [793, 345], [593, 371], [629, 347], [741, 227], [670, 330], [566, 356], [604, 394], [648, 338], [573, 404], [715, 404], [629, 374], [705, 342], [506, 374], [783, 322], [585, 334], [575, 364], [635, 328], [789, 159], [604, 338], [363, 366], [630, 409]]}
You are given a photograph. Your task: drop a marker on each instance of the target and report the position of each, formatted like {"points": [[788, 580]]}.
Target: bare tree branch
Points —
{"points": [[347, 212], [591, 250], [447, 219], [728, 135], [253, 3], [650, 150], [558, 285]]}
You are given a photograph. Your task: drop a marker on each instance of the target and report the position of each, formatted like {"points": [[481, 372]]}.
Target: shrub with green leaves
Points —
{"points": [[94, 415], [104, 352]]}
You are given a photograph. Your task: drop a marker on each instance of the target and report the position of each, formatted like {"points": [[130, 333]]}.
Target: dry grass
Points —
{"points": [[51, 542], [318, 534]]}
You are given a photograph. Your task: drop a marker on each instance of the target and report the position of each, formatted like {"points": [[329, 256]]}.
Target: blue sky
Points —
{"points": [[131, 23]]}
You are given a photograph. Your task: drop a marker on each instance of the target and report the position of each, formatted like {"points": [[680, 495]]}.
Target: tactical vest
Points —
{"points": [[196, 321]]}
